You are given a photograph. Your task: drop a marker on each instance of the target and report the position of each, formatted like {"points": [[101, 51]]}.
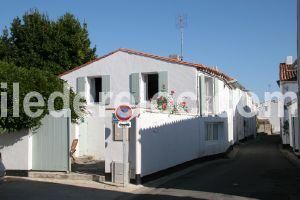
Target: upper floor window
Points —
{"points": [[150, 85], [95, 89]]}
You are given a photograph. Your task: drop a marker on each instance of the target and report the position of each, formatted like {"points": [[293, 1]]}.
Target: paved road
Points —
{"points": [[259, 171]]}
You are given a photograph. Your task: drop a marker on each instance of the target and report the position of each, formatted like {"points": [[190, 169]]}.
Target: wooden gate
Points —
{"points": [[50, 144]]}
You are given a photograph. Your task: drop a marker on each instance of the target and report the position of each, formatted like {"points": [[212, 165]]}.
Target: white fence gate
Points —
{"points": [[50, 144]]}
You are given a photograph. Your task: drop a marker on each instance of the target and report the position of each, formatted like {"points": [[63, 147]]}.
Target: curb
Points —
{"points": [[15, 179], [66, 176]]}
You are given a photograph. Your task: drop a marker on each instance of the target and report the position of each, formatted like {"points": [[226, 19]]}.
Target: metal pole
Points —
{"points": [[124, 157], [181, 45]]}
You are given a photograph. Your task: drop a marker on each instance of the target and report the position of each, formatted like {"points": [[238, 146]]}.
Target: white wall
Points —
{"points": [[113, 149], [91, 133], [224, 93], [237, 118], [16, 150], [293, 126], [287, 86], [169, 140], [272, 114]]}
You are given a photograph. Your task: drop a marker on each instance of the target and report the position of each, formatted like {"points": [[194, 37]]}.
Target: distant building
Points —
{"points": [[268, 117]]}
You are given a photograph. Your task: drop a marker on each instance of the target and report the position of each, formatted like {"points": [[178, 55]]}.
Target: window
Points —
{"points": [[150, 85], [213, 131], [209, 83], [98, 89], [95, 89]]}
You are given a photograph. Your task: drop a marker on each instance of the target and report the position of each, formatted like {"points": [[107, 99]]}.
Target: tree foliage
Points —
{"points": [[31, 80], [35, 41]]}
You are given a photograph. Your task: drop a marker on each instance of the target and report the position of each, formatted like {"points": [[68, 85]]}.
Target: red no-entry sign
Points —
{"points": [[123, 112]]}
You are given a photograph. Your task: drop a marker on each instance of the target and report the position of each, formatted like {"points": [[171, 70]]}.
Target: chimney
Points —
{"points": [[289, 60], [175, 57]]}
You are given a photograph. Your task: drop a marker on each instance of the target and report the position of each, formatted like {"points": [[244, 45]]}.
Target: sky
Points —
{"points": [[246, 39]]}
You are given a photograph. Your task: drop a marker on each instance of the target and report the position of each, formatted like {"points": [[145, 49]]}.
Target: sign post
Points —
{"points": [[125, 159], [123, 113]]}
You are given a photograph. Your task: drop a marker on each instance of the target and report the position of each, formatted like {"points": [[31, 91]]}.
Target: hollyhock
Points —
{"points": [[164, 106]]}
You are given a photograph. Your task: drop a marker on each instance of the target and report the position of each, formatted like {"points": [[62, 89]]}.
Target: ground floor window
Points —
{"points": [[213, 131]]}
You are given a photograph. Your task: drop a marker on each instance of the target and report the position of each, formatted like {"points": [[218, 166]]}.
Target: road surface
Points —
{"points": [[259, 171]]}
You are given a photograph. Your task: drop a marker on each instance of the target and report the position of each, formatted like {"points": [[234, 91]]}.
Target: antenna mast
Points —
{"points": [[181, 24]]}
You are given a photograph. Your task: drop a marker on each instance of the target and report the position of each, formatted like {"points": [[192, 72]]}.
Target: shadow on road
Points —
{"points": [[32, 190], [259, 171]]}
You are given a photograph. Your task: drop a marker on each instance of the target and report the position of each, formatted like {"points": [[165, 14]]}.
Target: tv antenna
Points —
{"points": [[181, 22]]}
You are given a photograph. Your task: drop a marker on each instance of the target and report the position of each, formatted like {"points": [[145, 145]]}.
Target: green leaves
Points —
{"points": [[32, 52], [31, 80], [35, 41]]}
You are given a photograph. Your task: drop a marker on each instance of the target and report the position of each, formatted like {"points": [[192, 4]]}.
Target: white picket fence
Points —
{"points": [[170, 140]]}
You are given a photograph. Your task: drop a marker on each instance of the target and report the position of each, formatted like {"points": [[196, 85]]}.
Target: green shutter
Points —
{"points": [[216, 96], [81, 81], [202, 95], [134, 88], [105, 89], [163, 81]]}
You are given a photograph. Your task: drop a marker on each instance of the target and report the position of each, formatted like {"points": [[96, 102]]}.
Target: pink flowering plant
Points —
{"points": [[165, 103]]}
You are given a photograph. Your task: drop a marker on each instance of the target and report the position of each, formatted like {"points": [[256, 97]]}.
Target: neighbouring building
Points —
{"points": [[268, 117], [288, 87]]}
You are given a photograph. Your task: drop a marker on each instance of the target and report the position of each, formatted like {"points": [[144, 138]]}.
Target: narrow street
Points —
{"points": [[260, 171]]}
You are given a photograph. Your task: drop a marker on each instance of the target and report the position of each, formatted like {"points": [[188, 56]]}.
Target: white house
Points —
{"points": [[268, 112], [288, 85], [158, 141]]}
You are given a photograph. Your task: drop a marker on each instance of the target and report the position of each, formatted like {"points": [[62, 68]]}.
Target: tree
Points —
{"points": [[35, 41], [31, 80]]}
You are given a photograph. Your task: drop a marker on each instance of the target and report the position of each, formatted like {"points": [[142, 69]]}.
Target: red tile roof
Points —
{"points": [[287, 72], [201, 67]]}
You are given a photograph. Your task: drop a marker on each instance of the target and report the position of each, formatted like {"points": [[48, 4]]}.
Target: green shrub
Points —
{"points": [[31, 80]]}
